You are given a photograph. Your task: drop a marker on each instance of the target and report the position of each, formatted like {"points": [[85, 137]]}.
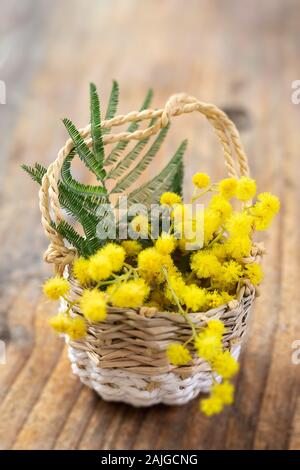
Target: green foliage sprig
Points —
{"points": [[83, 202]]}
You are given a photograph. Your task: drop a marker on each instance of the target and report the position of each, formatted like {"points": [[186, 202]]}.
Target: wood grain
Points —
{"points": [[240, 55]]}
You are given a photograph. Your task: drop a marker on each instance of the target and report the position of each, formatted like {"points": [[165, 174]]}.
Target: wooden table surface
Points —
{"points": [[243, 56]]}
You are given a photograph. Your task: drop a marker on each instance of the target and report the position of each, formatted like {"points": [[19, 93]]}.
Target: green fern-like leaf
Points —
{"points": [[83, 151], [132, 176], [70, 234], [85, 247], [77, 209], [36, 173], [149, 193], [86, 202], [94, 244], [89, 204], [112, 102], [96, 133], [82, 208], [120, 146], [131, 156], [80, 188], [177, 183], [74, 206]]}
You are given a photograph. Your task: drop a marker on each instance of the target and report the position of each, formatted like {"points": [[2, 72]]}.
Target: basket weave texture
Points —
{"points": [[124, 357]]}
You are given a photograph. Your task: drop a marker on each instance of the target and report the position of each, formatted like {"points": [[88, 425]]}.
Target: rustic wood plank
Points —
{"points": [[242, 57], [294, 443], [45, 419], [78, 420], [283, 384]]}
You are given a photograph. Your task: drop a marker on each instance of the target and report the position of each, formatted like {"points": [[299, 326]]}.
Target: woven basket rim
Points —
{"points": [[154, 313]]}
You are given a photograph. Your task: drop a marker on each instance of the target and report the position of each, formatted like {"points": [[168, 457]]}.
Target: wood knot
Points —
{"points": [[152, 386], [148, 312]]}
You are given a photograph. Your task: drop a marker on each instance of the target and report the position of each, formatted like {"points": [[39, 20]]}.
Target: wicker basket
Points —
{"points": [[124, 357]]}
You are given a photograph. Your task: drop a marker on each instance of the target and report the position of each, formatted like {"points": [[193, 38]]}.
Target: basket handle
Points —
{"points": [[178, 104]]}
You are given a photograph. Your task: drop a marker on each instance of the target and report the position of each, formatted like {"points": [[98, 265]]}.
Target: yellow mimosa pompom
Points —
{"points": [[76, 328], [56, 287], [246, 188], [231, 273], [59, 323], [100, 267], [227, 187], [201, 180], [131, 247], [211, 406], [216, 299], [170, 199], [254, 273], [205, 264], [80, 270], [116, 255], [212, 222], [225, 365], [208, 344], [165, 244], [270, 203], [140, 225], [150, 263], [261, 218], [217, 326], [238, 247], [240, 223], [194, 297], [178, 354], [175, 285], [93, 305], [64, 324], [221, 206], [264, 210], [226, 297], [219, 250], [131, 294], [224, 391]]}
